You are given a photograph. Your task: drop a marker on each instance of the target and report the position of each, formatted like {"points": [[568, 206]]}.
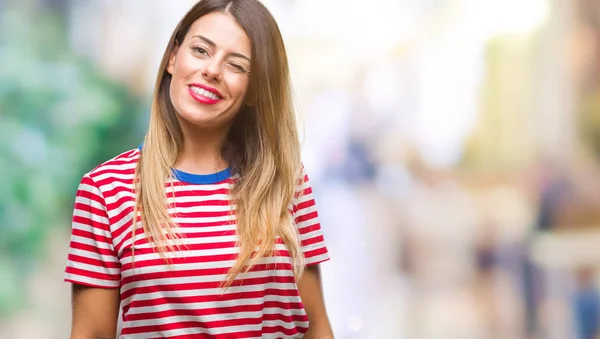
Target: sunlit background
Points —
{"points": [[453, 147]]}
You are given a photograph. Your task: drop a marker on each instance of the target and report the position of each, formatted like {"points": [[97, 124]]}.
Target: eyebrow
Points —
{"points": [[212, 44]]}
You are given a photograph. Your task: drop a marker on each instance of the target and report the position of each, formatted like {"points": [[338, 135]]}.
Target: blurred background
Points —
{"points": [[453, 145]]}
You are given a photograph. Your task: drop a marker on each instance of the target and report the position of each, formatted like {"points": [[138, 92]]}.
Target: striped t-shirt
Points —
{"points": [[187, 300]]}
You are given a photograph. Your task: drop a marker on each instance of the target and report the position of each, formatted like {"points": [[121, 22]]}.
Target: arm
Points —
{"points": [[95, 312], [93, 267], [311, 293]]}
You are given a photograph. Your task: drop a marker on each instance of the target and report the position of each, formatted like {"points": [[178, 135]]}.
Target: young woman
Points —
{"points": [[226, 242]]}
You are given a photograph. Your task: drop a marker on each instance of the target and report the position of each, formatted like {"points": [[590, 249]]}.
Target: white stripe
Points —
{"points": [[92, 281], [93, 255], [206, 265], [279, 335], [313, 247], [220, 304], [200, 198], [114, 175], [89, 202], [93, 268], [182, 254], [182, 230], [90, 229], [138, 283], [310, 235], [94, 217], [121, 223], [223, 330], [204, 219], [120, 167], [127, 205], [177, 187], [198, 209], [315, 259], [91, 242], [211, 318], [90, 189], [113, 197], [208, 229], [113, 185], [303, 198], [210, 291], [193, 241], [192, 253], [308, 223]]}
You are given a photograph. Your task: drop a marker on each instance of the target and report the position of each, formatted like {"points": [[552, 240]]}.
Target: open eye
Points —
{"points": [[200, 50]]}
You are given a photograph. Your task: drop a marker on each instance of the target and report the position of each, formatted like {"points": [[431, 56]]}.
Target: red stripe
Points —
{"points": [[305, 204], [311, 241], [95, 237], [91, 274], [307, 229], [204, 285], [217, 298], [197, 193], [91, 249], [118, 203], [315, 253], [201, 272], [83, 193], [208, 325], [121, 171], [93, 262], [112, 180], [203, 203], [306, 217], [222, 310]]}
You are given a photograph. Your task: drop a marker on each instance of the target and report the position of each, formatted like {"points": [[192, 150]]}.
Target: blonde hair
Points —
{"points": [[262, 147]]}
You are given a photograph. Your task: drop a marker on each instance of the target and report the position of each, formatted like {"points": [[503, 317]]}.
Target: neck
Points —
{"points": [[201, 153]]}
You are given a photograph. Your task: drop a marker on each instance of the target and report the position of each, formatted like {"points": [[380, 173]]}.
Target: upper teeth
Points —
{"points": [[203, 92]]}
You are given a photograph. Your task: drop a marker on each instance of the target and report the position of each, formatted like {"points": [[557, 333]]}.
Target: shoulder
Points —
{"points": [[121, 165]]}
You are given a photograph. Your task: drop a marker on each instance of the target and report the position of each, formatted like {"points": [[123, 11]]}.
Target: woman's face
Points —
{"points": [[210, 72]]}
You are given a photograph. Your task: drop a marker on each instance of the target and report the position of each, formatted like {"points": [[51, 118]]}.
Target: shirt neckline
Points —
{"points": [[198, 179]]}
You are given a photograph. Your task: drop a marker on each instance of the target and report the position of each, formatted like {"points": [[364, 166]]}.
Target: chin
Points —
{"points": [[203, 120]]}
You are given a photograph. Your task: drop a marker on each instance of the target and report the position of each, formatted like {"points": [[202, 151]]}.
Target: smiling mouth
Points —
{"points": [[205, 93]]}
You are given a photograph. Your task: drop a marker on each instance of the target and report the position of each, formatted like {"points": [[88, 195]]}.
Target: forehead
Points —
{"points": [[223, 30]]}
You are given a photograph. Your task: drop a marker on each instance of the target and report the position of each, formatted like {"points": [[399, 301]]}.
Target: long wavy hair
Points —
{"points": [[262, 147]]}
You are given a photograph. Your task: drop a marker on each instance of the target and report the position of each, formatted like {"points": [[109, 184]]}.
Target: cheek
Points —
{"points": [[184, 66], [238, 87]]}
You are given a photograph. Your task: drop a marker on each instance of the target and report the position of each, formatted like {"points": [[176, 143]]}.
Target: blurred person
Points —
{"points": [[226, 240], [552, 189], [586, 305]]}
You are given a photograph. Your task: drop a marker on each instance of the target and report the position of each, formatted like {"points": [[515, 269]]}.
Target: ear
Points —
{"points": [[172, 60]]}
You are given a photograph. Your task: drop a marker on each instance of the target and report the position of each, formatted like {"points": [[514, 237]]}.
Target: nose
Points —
{"points": [[212, 70]]}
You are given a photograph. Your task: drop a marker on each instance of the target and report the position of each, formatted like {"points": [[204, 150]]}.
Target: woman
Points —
{"points": [[222, 138]]}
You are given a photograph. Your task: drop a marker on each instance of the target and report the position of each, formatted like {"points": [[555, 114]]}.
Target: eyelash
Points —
{"points": [[203, 52], [199, 50]]}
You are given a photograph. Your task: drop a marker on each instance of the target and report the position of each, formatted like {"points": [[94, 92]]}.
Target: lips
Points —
{"points": [[213, 92], [205, 94]]}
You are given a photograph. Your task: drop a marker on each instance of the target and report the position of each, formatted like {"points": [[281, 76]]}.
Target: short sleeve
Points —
{"points": [[307, 220], [92, 260]]}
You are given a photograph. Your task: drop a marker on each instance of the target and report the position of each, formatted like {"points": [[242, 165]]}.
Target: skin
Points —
{"points": [[311, 293], [215, 53]]}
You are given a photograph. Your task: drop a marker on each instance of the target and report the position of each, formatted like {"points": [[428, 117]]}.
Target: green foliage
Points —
{"points": [[59, 117]]}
